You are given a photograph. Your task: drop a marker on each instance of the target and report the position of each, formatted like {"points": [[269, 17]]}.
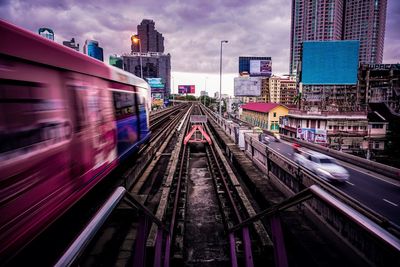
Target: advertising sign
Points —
{"points": [[157, 95], [312, 135], [260, 68], [156, 82], [247, 86], [157, 99], [329, 62], [186, 89], [158, 102]]}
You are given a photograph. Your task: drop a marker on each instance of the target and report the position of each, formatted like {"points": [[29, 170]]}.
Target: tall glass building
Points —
{"points": [[46, 33], [116, 61], [92, 49]]}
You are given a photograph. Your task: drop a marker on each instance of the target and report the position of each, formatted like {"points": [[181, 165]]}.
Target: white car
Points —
{"points": [[322, 165]]}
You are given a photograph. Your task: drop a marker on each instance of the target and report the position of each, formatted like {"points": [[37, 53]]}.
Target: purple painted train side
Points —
{"points": [[66, 121]]}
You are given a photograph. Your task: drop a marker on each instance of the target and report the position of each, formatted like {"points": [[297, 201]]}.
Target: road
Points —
{"points": [[373, 190]]}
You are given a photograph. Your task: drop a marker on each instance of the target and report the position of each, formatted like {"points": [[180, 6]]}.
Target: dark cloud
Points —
{"points": [[192, 29]]}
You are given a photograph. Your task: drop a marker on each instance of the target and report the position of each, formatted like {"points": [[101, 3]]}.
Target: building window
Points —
{"points": [[274, 114], [376, 145]]}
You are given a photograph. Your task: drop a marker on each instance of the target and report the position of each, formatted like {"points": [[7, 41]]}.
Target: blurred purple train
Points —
{"points": [[66, 121]]}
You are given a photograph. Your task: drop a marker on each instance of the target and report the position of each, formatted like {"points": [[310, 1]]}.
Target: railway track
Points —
{"points": [[195, 193], [47, 247], [205, 200]]}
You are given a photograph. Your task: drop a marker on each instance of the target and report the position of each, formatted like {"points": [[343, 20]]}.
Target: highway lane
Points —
{"points": [[371, 189]]}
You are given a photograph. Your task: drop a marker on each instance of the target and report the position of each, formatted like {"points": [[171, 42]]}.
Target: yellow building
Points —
{"points": [[264, 115]]}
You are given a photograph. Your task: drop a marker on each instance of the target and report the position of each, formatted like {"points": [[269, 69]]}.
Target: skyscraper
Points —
{"points": [[151, 62], [365, 21], [72, 44], [151, 40], [116, 61], [339, 20], [46, 33], [92, 49]]}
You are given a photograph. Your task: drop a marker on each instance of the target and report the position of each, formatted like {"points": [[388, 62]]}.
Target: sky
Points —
{"points": [[192, 31]]}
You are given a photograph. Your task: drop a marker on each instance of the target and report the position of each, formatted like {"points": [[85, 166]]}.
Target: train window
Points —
{"points": [[78, 102], [28, 117], [124, 104]]}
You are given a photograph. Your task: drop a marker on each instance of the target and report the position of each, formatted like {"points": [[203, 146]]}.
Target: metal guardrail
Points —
{"points": [[355, 225], [80, 243], [389, 251], [87, 234]]}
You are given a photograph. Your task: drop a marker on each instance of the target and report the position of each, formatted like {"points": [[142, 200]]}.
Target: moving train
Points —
{"points": [[66, 121]]}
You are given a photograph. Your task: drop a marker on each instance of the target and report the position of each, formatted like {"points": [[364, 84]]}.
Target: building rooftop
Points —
{"points": [[260, 107], [375, 116]]}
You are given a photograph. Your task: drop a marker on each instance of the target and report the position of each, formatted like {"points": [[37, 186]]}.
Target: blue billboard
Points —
{"points": [[329, 62]]}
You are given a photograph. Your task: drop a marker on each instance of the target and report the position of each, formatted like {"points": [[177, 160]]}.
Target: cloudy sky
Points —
{"points": [[192, 30]]}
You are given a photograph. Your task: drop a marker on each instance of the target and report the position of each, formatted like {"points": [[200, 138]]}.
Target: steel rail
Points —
{"points": [[80, 243]]}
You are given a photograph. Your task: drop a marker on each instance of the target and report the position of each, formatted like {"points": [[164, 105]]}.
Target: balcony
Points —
{"points": [[328, 114]]}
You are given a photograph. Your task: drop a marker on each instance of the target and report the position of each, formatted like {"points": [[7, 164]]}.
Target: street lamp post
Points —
{"points": [[136, 39], [220, 78], [205, 91], [172, 90]]}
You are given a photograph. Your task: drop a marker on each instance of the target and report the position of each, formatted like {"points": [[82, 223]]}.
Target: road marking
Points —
{"points": [[349, 183], [394, 204], [369, 173], [278, 148]]}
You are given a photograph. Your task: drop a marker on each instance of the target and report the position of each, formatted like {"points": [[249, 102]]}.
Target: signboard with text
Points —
{"points": [[247, 86], [312, 135], [260, 68], [186, 89]]}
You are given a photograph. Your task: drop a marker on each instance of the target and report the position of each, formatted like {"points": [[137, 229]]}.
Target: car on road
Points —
{"points": [[277, 137], [322, 165]]}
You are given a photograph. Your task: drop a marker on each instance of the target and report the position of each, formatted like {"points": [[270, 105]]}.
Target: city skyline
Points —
{"points": [[328, 20], [192, 32]]}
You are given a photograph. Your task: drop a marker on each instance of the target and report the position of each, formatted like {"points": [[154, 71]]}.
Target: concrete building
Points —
{"points": [[264, 115], [274, 89], [154, 65], [72, 44], [343, 131], [265, 93], [384, 132], [380, 83], [365, 21], [277, 89], [339, 20], [151, 40], [376, 139], [332, 98], [288, 91]]}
